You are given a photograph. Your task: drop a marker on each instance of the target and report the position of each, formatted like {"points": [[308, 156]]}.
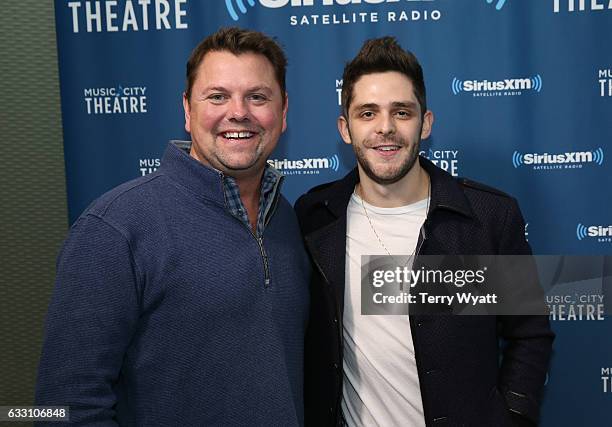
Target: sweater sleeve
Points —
{"points": [[91, 319], [529, 339]]}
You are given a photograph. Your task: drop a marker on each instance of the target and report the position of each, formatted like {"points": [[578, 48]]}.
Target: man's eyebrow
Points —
{"points": [[212, 88], [367, 106], [405, 104], [217, 88], [259, 88], [396, 104]]}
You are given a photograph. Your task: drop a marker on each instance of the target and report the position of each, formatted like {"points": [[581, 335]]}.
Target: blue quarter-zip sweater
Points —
{"points": [[162, 314]]}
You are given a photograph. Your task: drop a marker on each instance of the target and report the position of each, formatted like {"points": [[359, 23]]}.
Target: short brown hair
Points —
{"points": [[237, 41], [378, 56]]}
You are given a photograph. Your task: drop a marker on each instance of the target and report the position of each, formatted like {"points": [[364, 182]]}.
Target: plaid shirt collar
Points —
{"points": [[270, 188]]}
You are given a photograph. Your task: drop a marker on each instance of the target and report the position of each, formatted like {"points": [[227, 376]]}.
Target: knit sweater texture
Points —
{"points": [[161, 314]]}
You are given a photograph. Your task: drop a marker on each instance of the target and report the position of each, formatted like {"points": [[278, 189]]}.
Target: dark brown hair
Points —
{"points": [[237, 41], [378, 56]]}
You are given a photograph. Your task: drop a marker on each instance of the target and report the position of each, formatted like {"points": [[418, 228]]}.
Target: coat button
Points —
{"points": [[335, 320], [335, 366]]}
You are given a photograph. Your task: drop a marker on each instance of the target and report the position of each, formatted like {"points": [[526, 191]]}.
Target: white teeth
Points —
{"points": [[236, 135], [387, 148]]}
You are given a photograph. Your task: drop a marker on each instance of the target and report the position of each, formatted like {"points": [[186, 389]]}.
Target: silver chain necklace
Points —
{"points": [[365, 211]]}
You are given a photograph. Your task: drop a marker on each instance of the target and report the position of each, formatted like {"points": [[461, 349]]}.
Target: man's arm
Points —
{"points": [[529, 339], [91, 319]]}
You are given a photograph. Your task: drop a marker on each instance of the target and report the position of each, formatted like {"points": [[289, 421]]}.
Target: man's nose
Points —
{"points": [[238, 109], [385, 125]]}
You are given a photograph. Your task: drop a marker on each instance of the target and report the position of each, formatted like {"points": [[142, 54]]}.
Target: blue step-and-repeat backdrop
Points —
{"points": [[521, 91]]}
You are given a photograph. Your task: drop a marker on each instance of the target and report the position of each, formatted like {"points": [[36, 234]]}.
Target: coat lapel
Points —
{"points": [[327, 246]]}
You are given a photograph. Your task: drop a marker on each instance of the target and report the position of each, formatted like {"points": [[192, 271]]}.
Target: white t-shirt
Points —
{"points": [[381, 383]]}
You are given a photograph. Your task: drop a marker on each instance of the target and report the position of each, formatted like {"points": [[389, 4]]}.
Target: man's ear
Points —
{"points": [[285, 108], [187, 111], [343, 128], [428, 120]]}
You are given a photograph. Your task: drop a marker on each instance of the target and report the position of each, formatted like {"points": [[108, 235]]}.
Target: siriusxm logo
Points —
{"points": [[499, 5], [497, 87], [241, 7], [604, 233], [275, 4], [338, 15], [305, 166], [558, 160]]}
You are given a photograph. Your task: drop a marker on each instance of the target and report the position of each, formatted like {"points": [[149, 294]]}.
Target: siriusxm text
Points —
{"points": [[285, 164], [298, 3], [575, 157], [486, 85], [599, 231]]}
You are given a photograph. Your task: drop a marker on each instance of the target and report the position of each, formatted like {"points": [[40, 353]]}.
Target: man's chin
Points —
{"points": [[385, 177], [241, 166]]}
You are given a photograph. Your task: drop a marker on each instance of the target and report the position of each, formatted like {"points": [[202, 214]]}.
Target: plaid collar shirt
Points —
{"points": [[270, 184]]}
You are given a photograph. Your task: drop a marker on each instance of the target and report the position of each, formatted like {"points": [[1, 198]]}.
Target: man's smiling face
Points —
{"points": [[236, 113], [385, 125]]}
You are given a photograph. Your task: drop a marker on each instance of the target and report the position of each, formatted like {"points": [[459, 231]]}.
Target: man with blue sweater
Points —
{"points": [[181, 297]]}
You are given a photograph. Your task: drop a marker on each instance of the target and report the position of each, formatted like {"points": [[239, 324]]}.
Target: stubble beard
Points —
{"points": [[224, 159], [394, 175]]}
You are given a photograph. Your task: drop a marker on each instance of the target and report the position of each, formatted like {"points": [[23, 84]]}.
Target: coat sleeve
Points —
{"points": [[528, 339], [90, 321]]}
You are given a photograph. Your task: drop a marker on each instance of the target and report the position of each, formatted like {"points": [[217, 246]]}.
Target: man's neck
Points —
{"points": [[249, 185], [250, 191], [414, 186]]}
